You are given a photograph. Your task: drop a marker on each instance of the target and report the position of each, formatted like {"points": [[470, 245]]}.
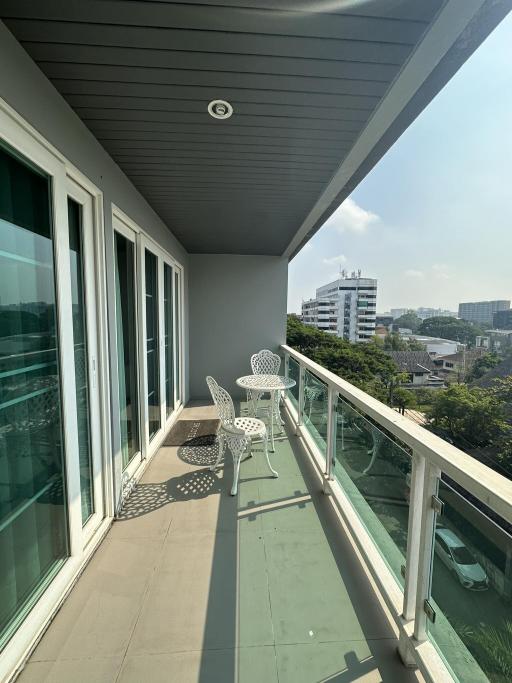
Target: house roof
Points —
{"points": [[413, 361], [320, 91]]}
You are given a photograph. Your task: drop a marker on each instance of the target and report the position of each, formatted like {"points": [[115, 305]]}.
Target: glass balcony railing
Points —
{"points": [[375, 473], [432, 523]]}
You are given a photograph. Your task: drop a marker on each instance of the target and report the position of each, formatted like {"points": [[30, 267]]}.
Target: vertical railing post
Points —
{"points": [[413, 535], [414, 552], [286, 364], [426, 548], [300, 411], [332, 399]]}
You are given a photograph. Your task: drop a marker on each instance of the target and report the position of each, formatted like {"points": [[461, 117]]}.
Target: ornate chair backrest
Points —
{"points": [[223, 401], [265, 363]]}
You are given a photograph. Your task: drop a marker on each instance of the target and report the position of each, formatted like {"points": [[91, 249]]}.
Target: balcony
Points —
{"points": [[334, 571], [191, 584]]}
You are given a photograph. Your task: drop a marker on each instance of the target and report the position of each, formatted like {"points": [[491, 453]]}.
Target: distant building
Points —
{"points": [[419, 367], [460, 362], [345, 307], [384, 320], [498, 340], [436, 346], [482, 312], [426, 313], [502, 320], [423, 313], [399, 312]]}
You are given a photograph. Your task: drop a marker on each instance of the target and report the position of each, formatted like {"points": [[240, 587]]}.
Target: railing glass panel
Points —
{"points": [[315, 409], [471, 589], [375, 473], [293, 373]]}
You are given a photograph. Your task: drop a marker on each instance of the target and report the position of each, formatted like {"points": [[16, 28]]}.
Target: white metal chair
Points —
{"points": [[237, 433], [262, 363]]}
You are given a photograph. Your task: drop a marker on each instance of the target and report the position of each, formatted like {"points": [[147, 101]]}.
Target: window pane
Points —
{"points": [[76, 256], [126, 322], [33, 524], [168, 341], [177, 296], [152, 359]]}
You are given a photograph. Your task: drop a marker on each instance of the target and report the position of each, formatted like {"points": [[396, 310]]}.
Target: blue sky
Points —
{"points": [[433, 220]]}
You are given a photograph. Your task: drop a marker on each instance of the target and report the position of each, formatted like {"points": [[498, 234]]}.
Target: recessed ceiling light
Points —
{"points": [[220, 109]]}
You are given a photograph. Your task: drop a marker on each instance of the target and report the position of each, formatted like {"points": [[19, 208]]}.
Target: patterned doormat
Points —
{"points": [[193, 433]]}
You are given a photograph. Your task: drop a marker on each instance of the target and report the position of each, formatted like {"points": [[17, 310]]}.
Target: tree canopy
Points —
{"points": [[472, 415], [450, 328], [364, 365], [409, 320]]}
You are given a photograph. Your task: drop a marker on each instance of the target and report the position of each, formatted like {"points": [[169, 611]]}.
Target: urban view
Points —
{"points": [[426, 328]]}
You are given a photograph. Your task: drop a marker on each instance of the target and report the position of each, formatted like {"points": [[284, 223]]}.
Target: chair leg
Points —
{"points": [[220, 453], [265, 448], [237, 447]]}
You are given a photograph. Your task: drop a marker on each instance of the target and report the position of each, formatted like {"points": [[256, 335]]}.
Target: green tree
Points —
{"points": [[482, 365], [409, 320], [476, 416], [450, 328], [367, 366], [404, 398]]}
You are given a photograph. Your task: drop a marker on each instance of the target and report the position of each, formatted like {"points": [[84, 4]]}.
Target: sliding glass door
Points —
{"points": [[169, 335], [34, 538], [127, 348], [84, 313], [152, 343]]}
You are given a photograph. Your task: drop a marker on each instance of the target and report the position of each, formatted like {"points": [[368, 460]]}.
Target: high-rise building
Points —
{"points": [[482, 312], [345, 307], [502, 320]]}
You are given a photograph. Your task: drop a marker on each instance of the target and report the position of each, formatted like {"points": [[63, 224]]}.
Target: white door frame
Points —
{"points": [[85, 200], [130, 232], [26, 141]]}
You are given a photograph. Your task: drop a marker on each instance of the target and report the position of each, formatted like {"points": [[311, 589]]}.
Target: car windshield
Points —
{"points": [[461, 555]]}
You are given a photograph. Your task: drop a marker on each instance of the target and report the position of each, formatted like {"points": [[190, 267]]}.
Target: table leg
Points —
{"points": [[271, 411]]}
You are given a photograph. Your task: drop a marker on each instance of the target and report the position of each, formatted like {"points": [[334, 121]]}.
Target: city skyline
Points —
{"points": [[431, 221]]}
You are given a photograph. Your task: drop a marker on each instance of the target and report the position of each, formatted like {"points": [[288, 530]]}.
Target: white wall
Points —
{"points": [[237, 307]]}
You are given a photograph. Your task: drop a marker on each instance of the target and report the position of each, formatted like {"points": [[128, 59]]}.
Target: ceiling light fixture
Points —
{"points": [[220, 109]]}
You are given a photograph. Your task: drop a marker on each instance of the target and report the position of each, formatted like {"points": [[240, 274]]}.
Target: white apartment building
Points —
{"points": [[345, 307]]}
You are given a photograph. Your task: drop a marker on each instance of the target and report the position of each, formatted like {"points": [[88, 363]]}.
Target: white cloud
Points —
{"points": [[335, 260], [350, 217], [441, 271], [417, 274]]}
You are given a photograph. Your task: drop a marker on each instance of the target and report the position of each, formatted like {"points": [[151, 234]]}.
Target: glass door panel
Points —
{"points": [[127, 366], [33, 519], [177, 308], [152, 344], [76, 258], [168, 339]]}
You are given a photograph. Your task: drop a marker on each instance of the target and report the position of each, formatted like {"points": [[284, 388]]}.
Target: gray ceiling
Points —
{"points": [[303, 85]]}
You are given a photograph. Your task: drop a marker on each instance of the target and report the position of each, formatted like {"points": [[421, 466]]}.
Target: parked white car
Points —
{"points": [[456, 556]]}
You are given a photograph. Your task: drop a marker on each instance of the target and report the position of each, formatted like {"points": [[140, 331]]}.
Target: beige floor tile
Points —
{"points": [[94, 670], [192, 601], [248, 665], [98, 617]]}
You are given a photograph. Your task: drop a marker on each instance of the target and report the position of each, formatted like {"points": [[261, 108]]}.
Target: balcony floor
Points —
{"points": [[193, 585]]}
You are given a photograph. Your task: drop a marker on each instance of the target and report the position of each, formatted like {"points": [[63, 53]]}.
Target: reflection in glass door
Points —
{"points": [[177, 299], [152, 345], [168, 339], [33, 520], [76, 258], [127, 366]]}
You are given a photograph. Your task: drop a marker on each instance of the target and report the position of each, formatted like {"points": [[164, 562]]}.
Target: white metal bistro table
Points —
{"points": [[273, 384]]}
